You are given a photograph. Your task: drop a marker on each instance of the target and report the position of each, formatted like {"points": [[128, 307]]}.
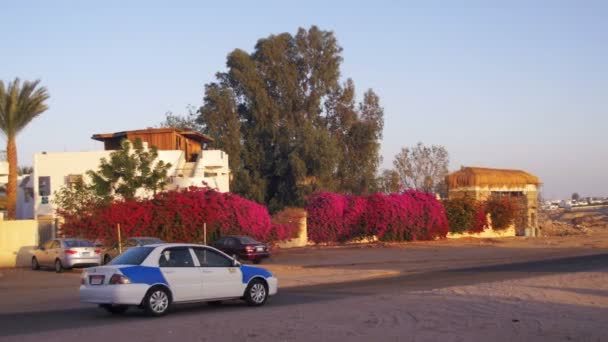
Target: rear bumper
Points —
{"points": [[255, 256], [82, 262], [131, 294], [273, 286]]}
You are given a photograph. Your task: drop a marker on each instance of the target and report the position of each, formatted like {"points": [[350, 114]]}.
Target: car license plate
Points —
{"points": [[86, 253], [260, 249], [96, 279]]}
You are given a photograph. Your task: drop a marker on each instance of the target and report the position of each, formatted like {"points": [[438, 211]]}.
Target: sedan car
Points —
{"points": [[65, 254], [113, 251], [154, 277], [243, 247]]}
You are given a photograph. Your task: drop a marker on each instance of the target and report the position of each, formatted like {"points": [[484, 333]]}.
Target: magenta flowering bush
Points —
{"points": [[409, 216], [177, 216]]}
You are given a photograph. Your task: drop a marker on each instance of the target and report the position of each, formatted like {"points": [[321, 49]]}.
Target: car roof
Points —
{"points": [[167, 244]]}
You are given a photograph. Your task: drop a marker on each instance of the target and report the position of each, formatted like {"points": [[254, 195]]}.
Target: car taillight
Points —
{"points": [[249, 249], [119, 279], [97, 251], [69, 251]]}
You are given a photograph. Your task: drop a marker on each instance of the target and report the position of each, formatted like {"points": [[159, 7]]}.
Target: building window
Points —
{"points": [[44, 186], [74, 180], [210, 174]]}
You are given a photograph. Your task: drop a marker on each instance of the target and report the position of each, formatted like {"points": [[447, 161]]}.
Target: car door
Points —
{"points": [[42, 253], [52, 253], [184, 278], [219, 277]]}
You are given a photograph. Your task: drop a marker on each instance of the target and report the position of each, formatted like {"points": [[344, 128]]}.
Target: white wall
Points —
{"points": [[58, 165]]}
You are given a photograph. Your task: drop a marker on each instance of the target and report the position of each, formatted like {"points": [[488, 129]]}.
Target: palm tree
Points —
{"points": [[19, 104]]}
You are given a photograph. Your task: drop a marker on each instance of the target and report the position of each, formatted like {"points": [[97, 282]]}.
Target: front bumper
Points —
{"points": [[129, 294], [273, 285]]}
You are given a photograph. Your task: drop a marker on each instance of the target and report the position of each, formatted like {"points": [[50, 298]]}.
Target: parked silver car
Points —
{"points": [[65, 254]]}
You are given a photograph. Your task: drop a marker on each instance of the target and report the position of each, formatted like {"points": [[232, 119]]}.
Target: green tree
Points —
{"points": [[576, 196], [129, 169], [288, 125], [19, 105], [186, 122], [388, 182], [25, 170], [76, 198]]}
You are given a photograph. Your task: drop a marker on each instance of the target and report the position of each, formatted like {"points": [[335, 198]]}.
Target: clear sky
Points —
{"points": [[510, 84]]}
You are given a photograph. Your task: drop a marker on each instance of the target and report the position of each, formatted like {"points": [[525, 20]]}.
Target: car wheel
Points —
{"points": [[114, 309], [35, 265], [106, 259], [256, 293], [58, 266], [157, 301]]}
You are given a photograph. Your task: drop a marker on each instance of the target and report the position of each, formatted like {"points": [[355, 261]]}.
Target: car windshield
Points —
{"points": [[246, 240], [133, 256], [77, 243]]}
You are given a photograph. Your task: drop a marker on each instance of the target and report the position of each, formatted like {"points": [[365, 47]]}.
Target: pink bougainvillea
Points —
{"points": [[413, 215], [178, 216]]}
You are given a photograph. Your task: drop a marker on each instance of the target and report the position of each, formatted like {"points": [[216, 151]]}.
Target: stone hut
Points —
{"points": [[482, 183]]}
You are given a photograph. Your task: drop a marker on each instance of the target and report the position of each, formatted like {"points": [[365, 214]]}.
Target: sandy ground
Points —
{"points": [[316, 265]]}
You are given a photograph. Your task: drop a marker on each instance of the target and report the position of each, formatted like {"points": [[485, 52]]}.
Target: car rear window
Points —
{"points": [[150, 241], [247, 240], [77, 243], [132, 256]]}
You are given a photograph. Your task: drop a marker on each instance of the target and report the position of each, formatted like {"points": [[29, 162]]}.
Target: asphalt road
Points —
{"points": [[43, 306]]}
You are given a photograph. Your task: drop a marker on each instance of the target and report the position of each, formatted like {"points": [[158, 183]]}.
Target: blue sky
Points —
{"points": [[511, 84]]}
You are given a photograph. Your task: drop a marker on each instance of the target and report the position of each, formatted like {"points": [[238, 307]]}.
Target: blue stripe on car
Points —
{"points": [[249, 272], [144, 275]]}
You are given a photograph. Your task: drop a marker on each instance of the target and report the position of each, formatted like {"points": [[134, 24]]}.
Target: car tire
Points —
{"points": [[58, 266], [35, 264], [157, 301], [114, 309], [256, 293], [106, 259]]}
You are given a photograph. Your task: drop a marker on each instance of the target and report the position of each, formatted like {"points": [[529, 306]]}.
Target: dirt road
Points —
{"points": [[563, 298]]}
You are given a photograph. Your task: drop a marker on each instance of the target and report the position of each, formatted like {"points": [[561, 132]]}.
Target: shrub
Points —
{"points": [[412, 215], [502, 211], [177, 216], [465, 215]]}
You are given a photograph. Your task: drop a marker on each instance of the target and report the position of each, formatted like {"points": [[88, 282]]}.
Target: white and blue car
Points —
{"points": [[154, 277]]}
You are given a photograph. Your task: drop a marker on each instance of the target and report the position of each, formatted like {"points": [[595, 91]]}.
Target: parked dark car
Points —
{"points": [[112, 252], [243, 248]]}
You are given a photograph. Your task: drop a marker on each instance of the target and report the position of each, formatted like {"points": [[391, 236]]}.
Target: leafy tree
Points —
{"points": [[186, 122], [129, 169], [422, 167], [576, 196], [75, 198], [19, 105], [288, 124], [388, 182], [25, 170]]}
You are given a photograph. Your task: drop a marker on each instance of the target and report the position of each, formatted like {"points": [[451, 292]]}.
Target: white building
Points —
{"points": [[191, 165]]}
